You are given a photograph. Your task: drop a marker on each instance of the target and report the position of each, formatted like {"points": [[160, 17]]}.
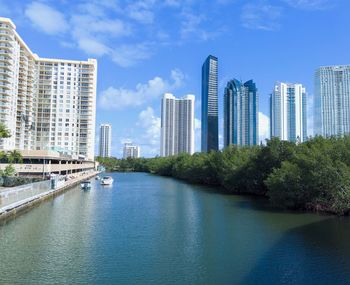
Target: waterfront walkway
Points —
{"points": [[14, 200]]}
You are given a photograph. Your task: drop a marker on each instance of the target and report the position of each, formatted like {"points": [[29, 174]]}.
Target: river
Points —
{"points": [[148, 229]]}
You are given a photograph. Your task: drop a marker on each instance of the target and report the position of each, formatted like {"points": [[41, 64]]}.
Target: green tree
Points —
{"points": [[9, 170], [14, 157], [4, 131], [3, 156]]}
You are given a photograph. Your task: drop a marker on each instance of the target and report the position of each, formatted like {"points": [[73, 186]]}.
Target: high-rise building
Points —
{"points": [[288, 112], [332, 100], [241, 121], [209, 122], [131, 150], [177, 125], [105, 140], [48, 104]]}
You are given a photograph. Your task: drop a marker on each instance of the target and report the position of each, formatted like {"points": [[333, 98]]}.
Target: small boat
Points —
{"points": [[85, 185], [106, 180], [97, 177]]}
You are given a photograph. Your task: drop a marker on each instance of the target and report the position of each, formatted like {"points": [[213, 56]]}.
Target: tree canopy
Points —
{"points": [[314, 175]]}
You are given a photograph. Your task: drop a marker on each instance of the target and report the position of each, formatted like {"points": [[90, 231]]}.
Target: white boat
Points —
{"points": [[85, 185], [107, 180]]}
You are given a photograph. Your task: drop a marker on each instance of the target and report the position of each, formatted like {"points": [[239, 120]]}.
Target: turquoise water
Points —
{"points": [[154, 230]]}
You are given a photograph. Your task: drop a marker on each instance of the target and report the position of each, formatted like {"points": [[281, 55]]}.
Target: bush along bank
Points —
{"points": [[314, 175]]}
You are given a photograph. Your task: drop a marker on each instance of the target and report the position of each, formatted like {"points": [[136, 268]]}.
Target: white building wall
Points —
{"points": [[131, 151], [177, 125], [332, 100], [105, 140], [288, 119], [46, 103]]}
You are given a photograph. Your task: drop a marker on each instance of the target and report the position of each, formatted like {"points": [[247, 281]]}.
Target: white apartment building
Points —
{"points": [[131, 150], [288, 112], [48, 104], [177, 125], [105, 140], [332, 100]]}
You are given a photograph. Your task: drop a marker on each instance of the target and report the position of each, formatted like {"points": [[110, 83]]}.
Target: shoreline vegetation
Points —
{"points": [[312, 176]]}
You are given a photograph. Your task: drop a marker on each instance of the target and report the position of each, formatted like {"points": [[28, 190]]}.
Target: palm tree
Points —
{"points": [[14, 156], [3, 156], [4, 131]]}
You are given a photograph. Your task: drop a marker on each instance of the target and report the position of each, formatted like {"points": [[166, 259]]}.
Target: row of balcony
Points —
{"points": [[5, 85], [6, 52], [5, 78], [6, 46]]}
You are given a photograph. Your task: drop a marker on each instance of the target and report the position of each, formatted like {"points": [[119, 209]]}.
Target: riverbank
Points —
{"points": [[311, 176], [14, 209]]}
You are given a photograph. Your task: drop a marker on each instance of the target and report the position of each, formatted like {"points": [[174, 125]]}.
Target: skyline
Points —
{"points": [[129, 91]]}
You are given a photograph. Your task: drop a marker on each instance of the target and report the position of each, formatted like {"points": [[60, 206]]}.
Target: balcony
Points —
{"points": [[5, 40], [6, 46], [5, 78], [5, 85], [5, 92], [6, 53], [5, 66]]}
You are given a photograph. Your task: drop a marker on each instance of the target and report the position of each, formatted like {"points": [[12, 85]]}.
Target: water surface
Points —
{"points": [[154, 230]]}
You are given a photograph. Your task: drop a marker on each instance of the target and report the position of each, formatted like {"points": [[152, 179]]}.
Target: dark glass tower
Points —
{"points": [[241, 113], [210, 132]]}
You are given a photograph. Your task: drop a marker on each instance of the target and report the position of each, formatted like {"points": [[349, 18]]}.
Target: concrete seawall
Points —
{"points": [[13, 210]]}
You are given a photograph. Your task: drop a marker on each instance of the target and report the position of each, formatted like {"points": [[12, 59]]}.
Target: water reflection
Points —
{"points": [[154, 230]]}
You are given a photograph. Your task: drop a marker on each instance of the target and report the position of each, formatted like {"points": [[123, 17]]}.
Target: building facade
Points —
{"points": [[177, 125], [241, 121], [209, 121], [48, 104], [105, 140], [131, 150], [332, 101], [288, 112]]}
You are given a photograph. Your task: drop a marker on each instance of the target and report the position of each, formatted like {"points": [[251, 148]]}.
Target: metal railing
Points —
{"points": [[16, 194]]}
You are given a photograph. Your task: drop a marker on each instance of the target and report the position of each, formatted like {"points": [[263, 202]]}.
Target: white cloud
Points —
{"points": [[92, 24], [264, 127], [92, 46], [150, 134], [125, 31], [261, 16], [119, 98], [309, 4], [46, 18], [91, 33], [191, 27], [128, 55], [141, 11]]}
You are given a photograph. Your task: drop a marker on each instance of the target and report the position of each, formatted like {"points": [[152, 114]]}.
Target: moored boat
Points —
{"points": [[107, 180], [85, 185]]}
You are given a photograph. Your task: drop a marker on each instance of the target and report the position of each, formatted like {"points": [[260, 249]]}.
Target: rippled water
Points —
{"points": [[154, 230]]}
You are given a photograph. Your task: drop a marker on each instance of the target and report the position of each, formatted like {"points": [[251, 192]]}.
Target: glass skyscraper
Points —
{"points": [[332, 101], [210, 136], [241, 113], [288, 112]]}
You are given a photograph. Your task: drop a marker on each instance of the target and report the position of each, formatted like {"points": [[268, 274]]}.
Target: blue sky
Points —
{"points": [[148, 47]]}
